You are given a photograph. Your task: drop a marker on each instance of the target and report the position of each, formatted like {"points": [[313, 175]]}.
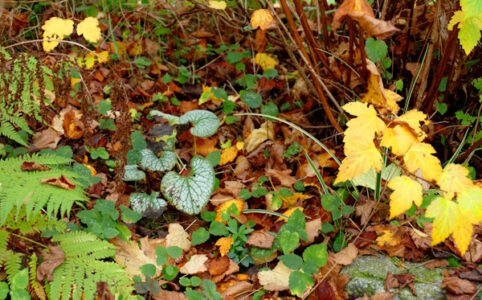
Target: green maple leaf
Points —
{"points": [[469, 21]]}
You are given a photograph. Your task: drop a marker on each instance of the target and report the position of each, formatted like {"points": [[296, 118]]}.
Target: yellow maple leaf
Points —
{"points": [[228, 155], [221, 5], [469, 21], [360, 158], [405, 192], [470, 204], [399, 139], [288, 213], [90, 29], [223, 208], [263, 19], [265, 61], [224, 244], [419, 156], [413, 118], [90, 59], [454, 179], [364, 127], [55, 30], [379, 96]]}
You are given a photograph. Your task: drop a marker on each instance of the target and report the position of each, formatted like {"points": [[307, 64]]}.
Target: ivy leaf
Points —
{"points": [[190, 194], [204, 122], [132, 173], [299, 282], [90, 29], [165, 162], [406, 191], [147, 205]]}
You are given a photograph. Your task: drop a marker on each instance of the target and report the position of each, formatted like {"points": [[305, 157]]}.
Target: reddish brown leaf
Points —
{"points": [[260, 239], [325, 291], [51, 260], [458, 286], [365, 239], [62, 182], [400, 281], [33, 166]]}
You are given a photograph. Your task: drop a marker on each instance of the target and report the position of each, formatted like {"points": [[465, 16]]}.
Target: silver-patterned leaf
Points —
{"points": [[190, 194], [132, 173], [147, 205], [204, 122], [165, 162], [173, 120]]}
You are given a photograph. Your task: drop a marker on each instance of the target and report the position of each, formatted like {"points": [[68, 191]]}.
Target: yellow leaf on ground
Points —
{"points": [[360, 158], [388, 238], [288, 213], [228, 155], [419, 156], [290, 200], [177, 236], [446, 217], [364, 127], [224, 245], [263, 19], [55, 29], [454, 179], [415, 119], [406, 191], [196, 264], [258, 136], [276, 279], [221, 5], [399, 139], [90, 29], [265, 61], [91, 58], [225, 206], [240, 145]]}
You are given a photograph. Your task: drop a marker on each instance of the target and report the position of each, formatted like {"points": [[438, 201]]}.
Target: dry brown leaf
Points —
{"points": [[62, 182], [238, 289], [33, 166], [218, 265], [72, 125], [364, 210], [458, 286], [260, 239], [232, 268], [51, 260], [48, 138], [375, 27], [196, 264], [326, 161], [349, 7], [276, 279], [474, 253], [284, 176], [346, 256], [206, 146], [131, 257], [313, 228], [258, 136], [171, 295], [177, 236], [242, 168]]}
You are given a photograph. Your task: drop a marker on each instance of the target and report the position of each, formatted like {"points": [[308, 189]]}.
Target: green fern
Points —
{"points": [[13, 263], [36, 286], [77, 277], [24, 189]]}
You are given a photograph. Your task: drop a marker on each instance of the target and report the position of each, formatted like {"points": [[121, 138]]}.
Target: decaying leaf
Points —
{"points": [[62, 182], [177, 236], [265, 61], [196, 264], [52, 258], [263, 19], [225, 206], [276, 279], [284, 176], [228, 155], [131, 257], [224, 244], [33, 166], [218, 265], [347, 255], [258, 136], [221, 5]]}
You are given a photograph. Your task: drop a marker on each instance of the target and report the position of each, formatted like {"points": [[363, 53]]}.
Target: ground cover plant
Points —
{"points": [[240, 149]]}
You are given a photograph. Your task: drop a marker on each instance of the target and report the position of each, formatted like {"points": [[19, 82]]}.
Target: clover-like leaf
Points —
{"points": [[165, 162], [204, 122], [132, 173], [147, 205], [190, 194]]}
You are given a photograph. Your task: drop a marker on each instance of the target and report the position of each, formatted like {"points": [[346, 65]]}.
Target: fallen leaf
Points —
{"points": [[296, 197], [364, 210], [346, 256], [276, 279], [221, 5], [90, 29], [326, 161], [232, 268], [228, 155], [224, 244], [263, 19], [218, 265], [313, 228], [237, 290], [177, 236], [260, 239], [388, 238], [225, 206], [349, 7], [265, 61], [288, 213], [196, 264], [458, 286], [171, 295], [33, 166], [55, 30], [206, 146], [258, 136], [48, 138], [400, 281], [62, 182], [72, 125], [52, 258], [284, 176], [131, 257]]}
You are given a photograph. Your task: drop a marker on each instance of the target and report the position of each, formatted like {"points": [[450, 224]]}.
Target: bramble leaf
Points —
{"points": [[469, 20], [419, 156], [406, 191], [454, 179]]}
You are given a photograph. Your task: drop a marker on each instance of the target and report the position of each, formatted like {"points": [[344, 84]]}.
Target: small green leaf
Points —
{"points": [[184, 281], [174, 252], [376, 50], [200, 236], [129, 216], [296, 223], [292, 261], [161, 256], [299, 282], [218, 229], [316, 254], [270, 109], [208, 216], [195, 281], [149, 270], [3, 290], [252, 99], [214, 157], [289, 241], [169, 272], [20, 280], [190, 194]]}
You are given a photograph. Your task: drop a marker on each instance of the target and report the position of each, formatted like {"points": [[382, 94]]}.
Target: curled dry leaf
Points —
{"points": [[237, 290], [284, 176], [232, 268], [72, 125], [62, 182], [276, 279], [258, 136], [33, 166], [346, 256], [196, 264], [177, 236], [51, 260], [313, 228], [131, 257], [261, 239], [458, 286], [48, 138]]}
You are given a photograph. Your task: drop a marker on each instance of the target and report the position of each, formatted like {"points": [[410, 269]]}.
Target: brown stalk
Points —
{"points": [[317, 85], [351, 41], [324, 23]]}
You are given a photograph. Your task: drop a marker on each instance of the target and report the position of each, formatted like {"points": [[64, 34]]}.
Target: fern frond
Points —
{"points": [[13, 262], [36, 286], [83, 268], [7, 130], [4, 235]]}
